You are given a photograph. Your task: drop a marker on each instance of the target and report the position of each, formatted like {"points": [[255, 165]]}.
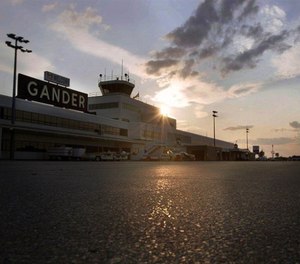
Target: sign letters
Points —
{"points": [[55, 78], [40, 91]]}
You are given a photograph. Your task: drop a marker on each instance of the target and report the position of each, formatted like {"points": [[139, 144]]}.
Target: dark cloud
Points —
{"points": [[211, 33], [208, 52], [250, 8], [154, 66], [196, 28], [208, 17], [237, 128], [295, 124], [250, 57], [187, 70], [228, 8], [297, 33], [245, 59], [170, 52], [255, 31]]}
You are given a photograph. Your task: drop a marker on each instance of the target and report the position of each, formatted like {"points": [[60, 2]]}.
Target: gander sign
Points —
{"points": [[37, 90]]}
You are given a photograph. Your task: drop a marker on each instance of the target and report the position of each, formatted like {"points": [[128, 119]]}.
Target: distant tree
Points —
{"points": [[277, 155], [261, 154]]}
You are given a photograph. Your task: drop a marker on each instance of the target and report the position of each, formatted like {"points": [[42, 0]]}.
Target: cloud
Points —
{"points": [[222, 38], [273, 18], [196, 28], [210, 15], [249, 58], [238, 128], [172, 96], [295, 124], [234, 34], [178, 92], [34, 63], [287, 64], [73, 19], [81, 30], [170, 52], [154, 66], [30, 64], [244, 89]]}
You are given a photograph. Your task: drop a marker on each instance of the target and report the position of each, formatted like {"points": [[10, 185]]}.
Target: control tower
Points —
{"points": [[116, 85]]}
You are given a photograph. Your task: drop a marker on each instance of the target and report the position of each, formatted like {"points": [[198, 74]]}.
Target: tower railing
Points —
{"points": [[126, 77]]}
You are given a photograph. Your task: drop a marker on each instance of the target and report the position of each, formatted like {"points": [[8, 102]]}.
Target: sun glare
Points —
{"points": [[165, 110]]}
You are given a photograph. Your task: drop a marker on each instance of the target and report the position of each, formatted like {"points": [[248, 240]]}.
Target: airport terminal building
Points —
{"points": [[48, 115]]}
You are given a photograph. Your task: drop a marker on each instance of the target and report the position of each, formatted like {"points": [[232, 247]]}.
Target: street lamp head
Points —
{"points": [[215, 111], [214, 115], [26, 50], [11, 35], [24, 40], [18, 38], [8, 43]]}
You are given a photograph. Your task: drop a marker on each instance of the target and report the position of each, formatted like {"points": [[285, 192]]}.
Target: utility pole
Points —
{"points": [[13, 107], [247, 132], [214, 122]]}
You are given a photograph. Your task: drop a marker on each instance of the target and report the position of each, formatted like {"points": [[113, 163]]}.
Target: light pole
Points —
{"points": [[247, 132], [214, 117], [13, 107]]}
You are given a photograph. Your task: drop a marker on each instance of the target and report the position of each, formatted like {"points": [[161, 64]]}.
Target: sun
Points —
{"points": [[164, 110]]}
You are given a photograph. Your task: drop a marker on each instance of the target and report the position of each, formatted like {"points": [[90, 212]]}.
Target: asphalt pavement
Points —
{"points": [[149, 212]]}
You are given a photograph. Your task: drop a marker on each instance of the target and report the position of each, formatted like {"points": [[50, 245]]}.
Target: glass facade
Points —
{"points": [[54, 121], [42, 119]]}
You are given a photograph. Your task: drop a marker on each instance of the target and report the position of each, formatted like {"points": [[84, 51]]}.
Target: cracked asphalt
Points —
{"points": [[149, 212]]}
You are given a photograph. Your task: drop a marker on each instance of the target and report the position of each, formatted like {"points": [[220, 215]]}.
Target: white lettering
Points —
{"points": [[45, 92], [74, 99], [81, 102], [33, 92], [55, 94], [65, 97]]}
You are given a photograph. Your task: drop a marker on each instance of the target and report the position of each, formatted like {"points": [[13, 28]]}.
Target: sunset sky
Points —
{"points": [[238, 57]]}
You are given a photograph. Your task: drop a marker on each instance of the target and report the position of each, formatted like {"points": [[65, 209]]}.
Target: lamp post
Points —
{"points": [[214, 117], [13, 107], [247, 132]]}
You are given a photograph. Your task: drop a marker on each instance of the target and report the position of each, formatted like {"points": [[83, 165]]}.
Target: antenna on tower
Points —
{"points": [[122, 71]]}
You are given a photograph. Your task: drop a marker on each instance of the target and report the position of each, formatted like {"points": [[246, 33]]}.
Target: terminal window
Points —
{"points": [[104, 106]]}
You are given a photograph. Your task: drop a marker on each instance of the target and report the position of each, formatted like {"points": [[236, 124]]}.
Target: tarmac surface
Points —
{"points": [[149, 212]]}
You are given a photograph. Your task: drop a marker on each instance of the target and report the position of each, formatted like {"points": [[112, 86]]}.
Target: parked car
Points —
{"points": [[183, 156], [107, 156]]}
